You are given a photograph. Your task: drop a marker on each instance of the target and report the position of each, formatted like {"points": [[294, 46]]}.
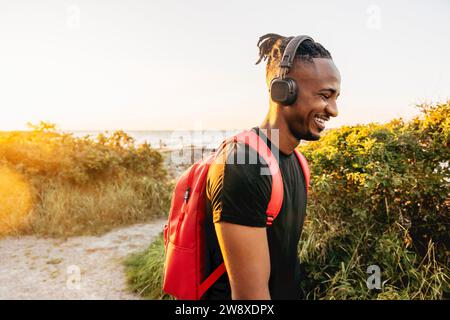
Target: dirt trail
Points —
{"points": [[86, 267]]}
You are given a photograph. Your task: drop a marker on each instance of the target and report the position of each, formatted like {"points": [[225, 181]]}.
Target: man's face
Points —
{"points": [[319, 86]]}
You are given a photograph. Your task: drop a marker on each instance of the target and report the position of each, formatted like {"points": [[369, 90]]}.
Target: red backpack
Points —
{"points": [[184, 234]]}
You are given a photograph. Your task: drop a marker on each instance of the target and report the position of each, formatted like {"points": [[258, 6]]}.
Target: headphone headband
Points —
{"points": [[285, 90], [289, 53]]}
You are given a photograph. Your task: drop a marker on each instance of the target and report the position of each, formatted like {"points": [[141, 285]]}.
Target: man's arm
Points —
{"points": [[246, 254]]}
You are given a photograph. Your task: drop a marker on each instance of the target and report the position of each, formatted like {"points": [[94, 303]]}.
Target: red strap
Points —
{"points": [[276, 199], [304, 164], [212, 278]]}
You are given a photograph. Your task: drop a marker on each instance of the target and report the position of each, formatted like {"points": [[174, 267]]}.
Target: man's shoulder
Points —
{"points": [[238, 158], [237, 191]]}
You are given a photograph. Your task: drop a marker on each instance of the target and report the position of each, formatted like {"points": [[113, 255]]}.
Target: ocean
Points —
{"points": [[172, 139]]}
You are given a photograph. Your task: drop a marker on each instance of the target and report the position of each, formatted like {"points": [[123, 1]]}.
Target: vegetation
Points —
{"points": [[55, 184], [144, 271], [379, 196]]}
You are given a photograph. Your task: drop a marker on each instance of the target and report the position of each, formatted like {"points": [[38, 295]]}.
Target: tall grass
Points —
{"points": [[55, 184], [379, 196], [144, 271]]}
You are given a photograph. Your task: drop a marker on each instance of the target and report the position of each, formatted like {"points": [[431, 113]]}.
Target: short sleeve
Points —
{"points": [[236, 187]]}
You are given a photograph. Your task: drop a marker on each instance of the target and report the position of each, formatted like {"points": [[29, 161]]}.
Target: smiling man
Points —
{"points": [[262, 262]]}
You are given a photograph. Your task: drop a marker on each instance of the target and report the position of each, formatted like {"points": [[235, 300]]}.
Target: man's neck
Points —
{"points": [[286, 141]]}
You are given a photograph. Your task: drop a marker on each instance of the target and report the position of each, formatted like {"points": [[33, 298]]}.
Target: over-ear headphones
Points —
{"points": [[285, 90]]}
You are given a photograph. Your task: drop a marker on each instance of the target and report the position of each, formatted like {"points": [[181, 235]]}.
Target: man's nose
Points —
{"points": [[332, 109]]}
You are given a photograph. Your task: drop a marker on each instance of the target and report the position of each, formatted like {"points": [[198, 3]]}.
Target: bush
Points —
{"points": [[144, 271], [82, 185], [379, 198]]}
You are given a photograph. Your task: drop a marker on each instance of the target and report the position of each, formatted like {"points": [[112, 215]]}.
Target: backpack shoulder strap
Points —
{"points": [[258, 144], [304, 164]]}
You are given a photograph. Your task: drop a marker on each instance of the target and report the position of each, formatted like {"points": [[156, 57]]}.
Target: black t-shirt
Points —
{"points": [[238, 193]]}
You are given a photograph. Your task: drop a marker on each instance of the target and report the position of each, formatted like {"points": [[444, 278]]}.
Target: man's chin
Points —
{"points": [[310, 136], [313, 138]]}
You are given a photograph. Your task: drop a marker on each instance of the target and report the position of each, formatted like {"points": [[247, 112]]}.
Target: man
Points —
{"points": [[262, 262]]}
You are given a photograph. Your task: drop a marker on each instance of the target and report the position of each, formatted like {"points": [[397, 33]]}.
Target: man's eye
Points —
{"points": [[324, 96]]}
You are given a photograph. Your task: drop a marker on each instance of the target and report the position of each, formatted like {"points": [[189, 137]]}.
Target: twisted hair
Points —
{"points": [[272, 46]]}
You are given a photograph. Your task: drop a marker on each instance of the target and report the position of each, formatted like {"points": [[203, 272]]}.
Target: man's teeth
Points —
{"points": [[320, 120]]}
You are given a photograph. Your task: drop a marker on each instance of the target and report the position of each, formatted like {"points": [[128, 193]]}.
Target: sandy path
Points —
{"points": [[86, 267]]}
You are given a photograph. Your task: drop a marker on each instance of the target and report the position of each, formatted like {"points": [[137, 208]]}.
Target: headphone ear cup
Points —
{"points": [[283, 91], [293, 91]]}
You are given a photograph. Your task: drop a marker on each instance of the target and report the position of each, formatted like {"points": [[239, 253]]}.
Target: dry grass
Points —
{"points": [[15, 200], [57, 185]]}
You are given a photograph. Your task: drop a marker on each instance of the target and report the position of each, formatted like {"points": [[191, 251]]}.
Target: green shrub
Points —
{"points": [[379, 197]]}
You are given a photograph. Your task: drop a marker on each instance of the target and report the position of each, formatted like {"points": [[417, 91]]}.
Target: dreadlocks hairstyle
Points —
{"points": [[272, 46]]}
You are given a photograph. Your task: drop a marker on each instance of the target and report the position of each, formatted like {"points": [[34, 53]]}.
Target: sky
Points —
{"points": [[166, 65]]}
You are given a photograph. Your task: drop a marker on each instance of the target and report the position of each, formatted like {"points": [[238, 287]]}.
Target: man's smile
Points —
{"points": [[320, 120]]}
